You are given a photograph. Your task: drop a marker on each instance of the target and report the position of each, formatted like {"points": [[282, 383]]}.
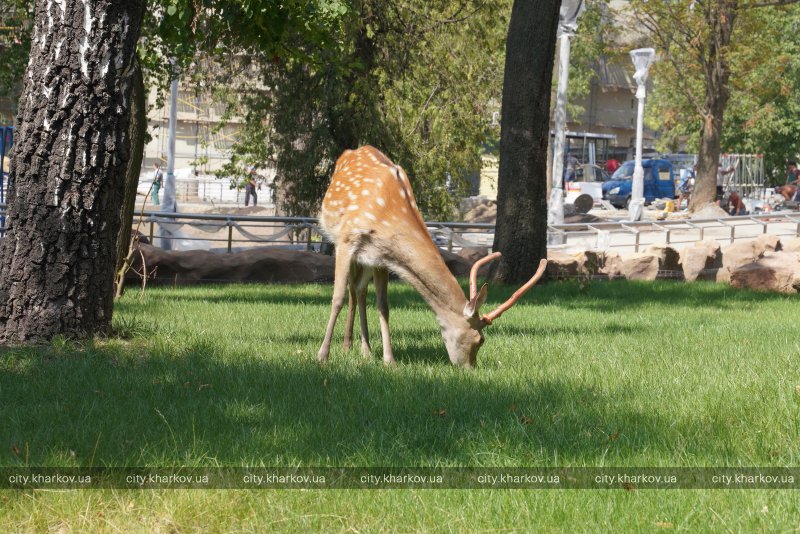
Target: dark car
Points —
{"points": [[659, 182]]}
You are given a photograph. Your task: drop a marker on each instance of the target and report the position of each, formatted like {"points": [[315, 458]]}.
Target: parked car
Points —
{"points": [[659, 182]]}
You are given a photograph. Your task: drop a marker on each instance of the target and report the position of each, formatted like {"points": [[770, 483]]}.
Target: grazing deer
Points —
{"points": [[369, 212]]}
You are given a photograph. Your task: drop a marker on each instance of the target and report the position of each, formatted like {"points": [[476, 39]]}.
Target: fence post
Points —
{"points": [[152, 229], [308, 243], [230, 236]]}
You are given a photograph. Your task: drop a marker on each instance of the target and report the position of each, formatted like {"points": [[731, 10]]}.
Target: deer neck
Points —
{"points": [[429, 275]]}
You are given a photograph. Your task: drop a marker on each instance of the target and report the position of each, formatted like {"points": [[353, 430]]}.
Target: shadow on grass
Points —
{"points": [[609, 296], [147, 404], [601, 296], [204, 406]]}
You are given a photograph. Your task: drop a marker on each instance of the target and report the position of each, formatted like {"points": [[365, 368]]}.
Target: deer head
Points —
{"points": [[464, 340]]}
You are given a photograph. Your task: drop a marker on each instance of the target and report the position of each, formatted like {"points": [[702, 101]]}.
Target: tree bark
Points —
{"points": [[521, 233], [721, 16], [69, 161], [136, 132]]}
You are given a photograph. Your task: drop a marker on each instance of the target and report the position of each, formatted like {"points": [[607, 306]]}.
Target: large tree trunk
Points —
{"points": [[521, 233], [68, 168], [721, 16], [136, 133]]}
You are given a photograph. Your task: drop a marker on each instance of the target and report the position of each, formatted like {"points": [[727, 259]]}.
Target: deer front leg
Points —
{"points": [[339, 289], [381, 279]]}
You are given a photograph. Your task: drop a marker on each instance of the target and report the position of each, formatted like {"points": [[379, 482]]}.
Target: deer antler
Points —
{"points": [[473, 274], [494, 314]]}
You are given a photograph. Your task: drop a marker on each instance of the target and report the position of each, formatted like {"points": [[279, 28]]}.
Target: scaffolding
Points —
{"points": [[747, 178]]}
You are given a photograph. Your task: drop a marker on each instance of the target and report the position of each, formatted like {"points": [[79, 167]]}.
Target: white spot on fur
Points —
{"points": [[370, 216], [380, 201]]}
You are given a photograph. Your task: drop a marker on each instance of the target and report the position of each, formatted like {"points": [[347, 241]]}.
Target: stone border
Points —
{"points": [[765, 263]]}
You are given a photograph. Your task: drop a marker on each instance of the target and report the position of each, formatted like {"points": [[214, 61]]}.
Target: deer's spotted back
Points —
{"points": [[368, 194]]}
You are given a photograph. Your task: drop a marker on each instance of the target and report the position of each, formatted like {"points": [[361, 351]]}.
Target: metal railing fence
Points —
{"points": [[228, 233]]}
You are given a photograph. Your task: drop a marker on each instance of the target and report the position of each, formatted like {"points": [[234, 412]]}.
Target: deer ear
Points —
{"points": [[475, 303]]}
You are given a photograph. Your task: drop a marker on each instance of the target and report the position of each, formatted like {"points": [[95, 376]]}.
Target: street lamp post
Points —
{"points": [[168, 203], [567, 26], [642, 58]]}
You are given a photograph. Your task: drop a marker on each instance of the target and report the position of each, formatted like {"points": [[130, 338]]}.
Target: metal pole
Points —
{"points": [[555, 214], [637, 188], [169, 205], [642, 58]]}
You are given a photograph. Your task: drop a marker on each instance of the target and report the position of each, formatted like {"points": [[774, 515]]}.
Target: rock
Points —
{"points": [[612, 266], [593, 263], [473, 254], [701, 261], [561, 265], [669, 261], [710, 211], [485, 212], [458, 265], [640, 266], [791, 245], [590, 262], [265, 264], [776, 271], [744, 252], [768, 242]]}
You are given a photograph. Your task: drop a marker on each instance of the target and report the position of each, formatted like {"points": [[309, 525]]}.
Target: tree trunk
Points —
{"points": [[521, 233], [68, 168], [721, 16], [136, 132], [707, 162]]}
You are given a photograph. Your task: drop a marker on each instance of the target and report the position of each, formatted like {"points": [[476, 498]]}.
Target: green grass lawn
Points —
{"points": [[616, 374]]}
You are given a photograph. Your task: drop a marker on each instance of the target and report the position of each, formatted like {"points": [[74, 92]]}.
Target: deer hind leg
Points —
{"points": [[357, 284], [361, 298], [351, 316], [381, 278], [340, 281]]}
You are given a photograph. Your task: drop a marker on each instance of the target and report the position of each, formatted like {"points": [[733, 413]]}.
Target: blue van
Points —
{"points": [[659, 182]]}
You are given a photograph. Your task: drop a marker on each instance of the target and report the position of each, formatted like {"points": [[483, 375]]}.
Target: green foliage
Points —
{"points": [[15, 42], [764, 114], [593, 40], [761, 115], [179, 33], [417, 80]]}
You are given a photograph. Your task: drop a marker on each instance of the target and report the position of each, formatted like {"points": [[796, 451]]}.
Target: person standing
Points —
{"points": [[250, 188], [721, 174], [685, 187], [158, 181]]}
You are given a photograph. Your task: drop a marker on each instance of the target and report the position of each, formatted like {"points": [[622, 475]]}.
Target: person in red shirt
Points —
{"points": [[612, 165]]}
